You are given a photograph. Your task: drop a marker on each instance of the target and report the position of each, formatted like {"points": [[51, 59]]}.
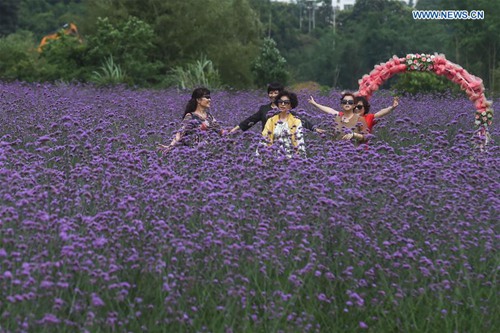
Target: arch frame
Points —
{"points": [[438, 64]]}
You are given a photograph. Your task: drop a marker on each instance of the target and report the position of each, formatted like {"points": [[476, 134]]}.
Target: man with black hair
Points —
{"points": [[273, 89]]}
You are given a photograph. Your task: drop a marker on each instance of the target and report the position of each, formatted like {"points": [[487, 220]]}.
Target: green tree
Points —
{"points": [[9, 10], [424, 82], [63, 59], [476, 43], [269, 66], [227, 31], [130, 44], [43, 17], [375, 30], [18, 57], [429, 5]]}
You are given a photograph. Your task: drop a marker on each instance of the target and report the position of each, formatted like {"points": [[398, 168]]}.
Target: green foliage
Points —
{"points": [[195, 74], [372, 33], [18, 57], [424, 82], [63, 59], [319, 59], [227, 31], [496, 81], [319, 44], [236, 46], [476, 43], [110, 74], [130, 43], [8, 10], [269, 66], [43, 17]]}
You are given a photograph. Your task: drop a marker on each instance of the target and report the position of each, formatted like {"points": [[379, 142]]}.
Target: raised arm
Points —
{"points": [[323, 108], [386, 111]]}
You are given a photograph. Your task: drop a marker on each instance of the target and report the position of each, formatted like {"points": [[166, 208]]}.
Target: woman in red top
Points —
{"points": [[363, 109]]}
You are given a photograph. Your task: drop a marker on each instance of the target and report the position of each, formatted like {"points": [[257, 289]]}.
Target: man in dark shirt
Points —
{"points": [[273, 89]]}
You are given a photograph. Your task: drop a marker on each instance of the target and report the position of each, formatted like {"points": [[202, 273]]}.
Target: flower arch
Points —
{"points": [[438, 64]]}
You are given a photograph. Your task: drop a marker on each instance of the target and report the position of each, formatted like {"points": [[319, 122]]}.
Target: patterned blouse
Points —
{"points": [[194, 129], [355, 124], [288, 135]]}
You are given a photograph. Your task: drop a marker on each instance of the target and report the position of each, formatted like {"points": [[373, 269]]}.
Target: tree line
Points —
{"points": [[240, 43]]}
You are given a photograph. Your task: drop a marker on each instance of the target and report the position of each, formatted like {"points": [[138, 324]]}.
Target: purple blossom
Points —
{"points": [[90, 212], [97, 301]]}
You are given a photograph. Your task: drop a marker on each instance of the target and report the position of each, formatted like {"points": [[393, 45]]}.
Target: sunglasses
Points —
{"points": [[206, 97], [359, 107], [284, 102], [344, 101]]}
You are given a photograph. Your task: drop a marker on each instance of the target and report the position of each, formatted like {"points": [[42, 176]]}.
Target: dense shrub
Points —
{"points": [[18, 57], [64, 60], [199, 73], [424, 82], [130, 43], [269, 66]]}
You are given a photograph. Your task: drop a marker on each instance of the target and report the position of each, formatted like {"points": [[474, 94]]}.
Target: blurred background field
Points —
{"points": [[240, 44]]}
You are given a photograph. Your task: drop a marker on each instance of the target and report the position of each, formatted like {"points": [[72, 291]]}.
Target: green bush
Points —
{"points": [[130, 43], [198, 73], [110, 73], [269, 66], [424, 82], [63, 60], [18, 57]]}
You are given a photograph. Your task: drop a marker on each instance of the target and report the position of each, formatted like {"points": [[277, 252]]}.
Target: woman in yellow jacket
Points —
{"points": [[284, 129]]}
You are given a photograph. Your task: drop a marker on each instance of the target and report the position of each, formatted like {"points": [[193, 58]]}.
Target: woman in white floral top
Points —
{"points": [[284, 129]]}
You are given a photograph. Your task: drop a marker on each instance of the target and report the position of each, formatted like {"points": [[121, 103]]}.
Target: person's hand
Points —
{"points": [[311, 100], [234, 129], [353, 135], [163, 149], [348, 136], [395, 102]]}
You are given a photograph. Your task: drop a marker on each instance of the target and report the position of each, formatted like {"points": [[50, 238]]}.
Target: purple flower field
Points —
{"points": [[99, 233]]}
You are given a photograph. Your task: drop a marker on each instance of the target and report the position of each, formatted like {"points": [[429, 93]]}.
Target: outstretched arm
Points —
{"points": [[388, 110], [234, 129], [308, 125], [164, 149], [323, 108], [250, 121]]}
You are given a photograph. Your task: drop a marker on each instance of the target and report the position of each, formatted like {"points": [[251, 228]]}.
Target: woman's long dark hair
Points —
{"points": [[192, 103]]}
